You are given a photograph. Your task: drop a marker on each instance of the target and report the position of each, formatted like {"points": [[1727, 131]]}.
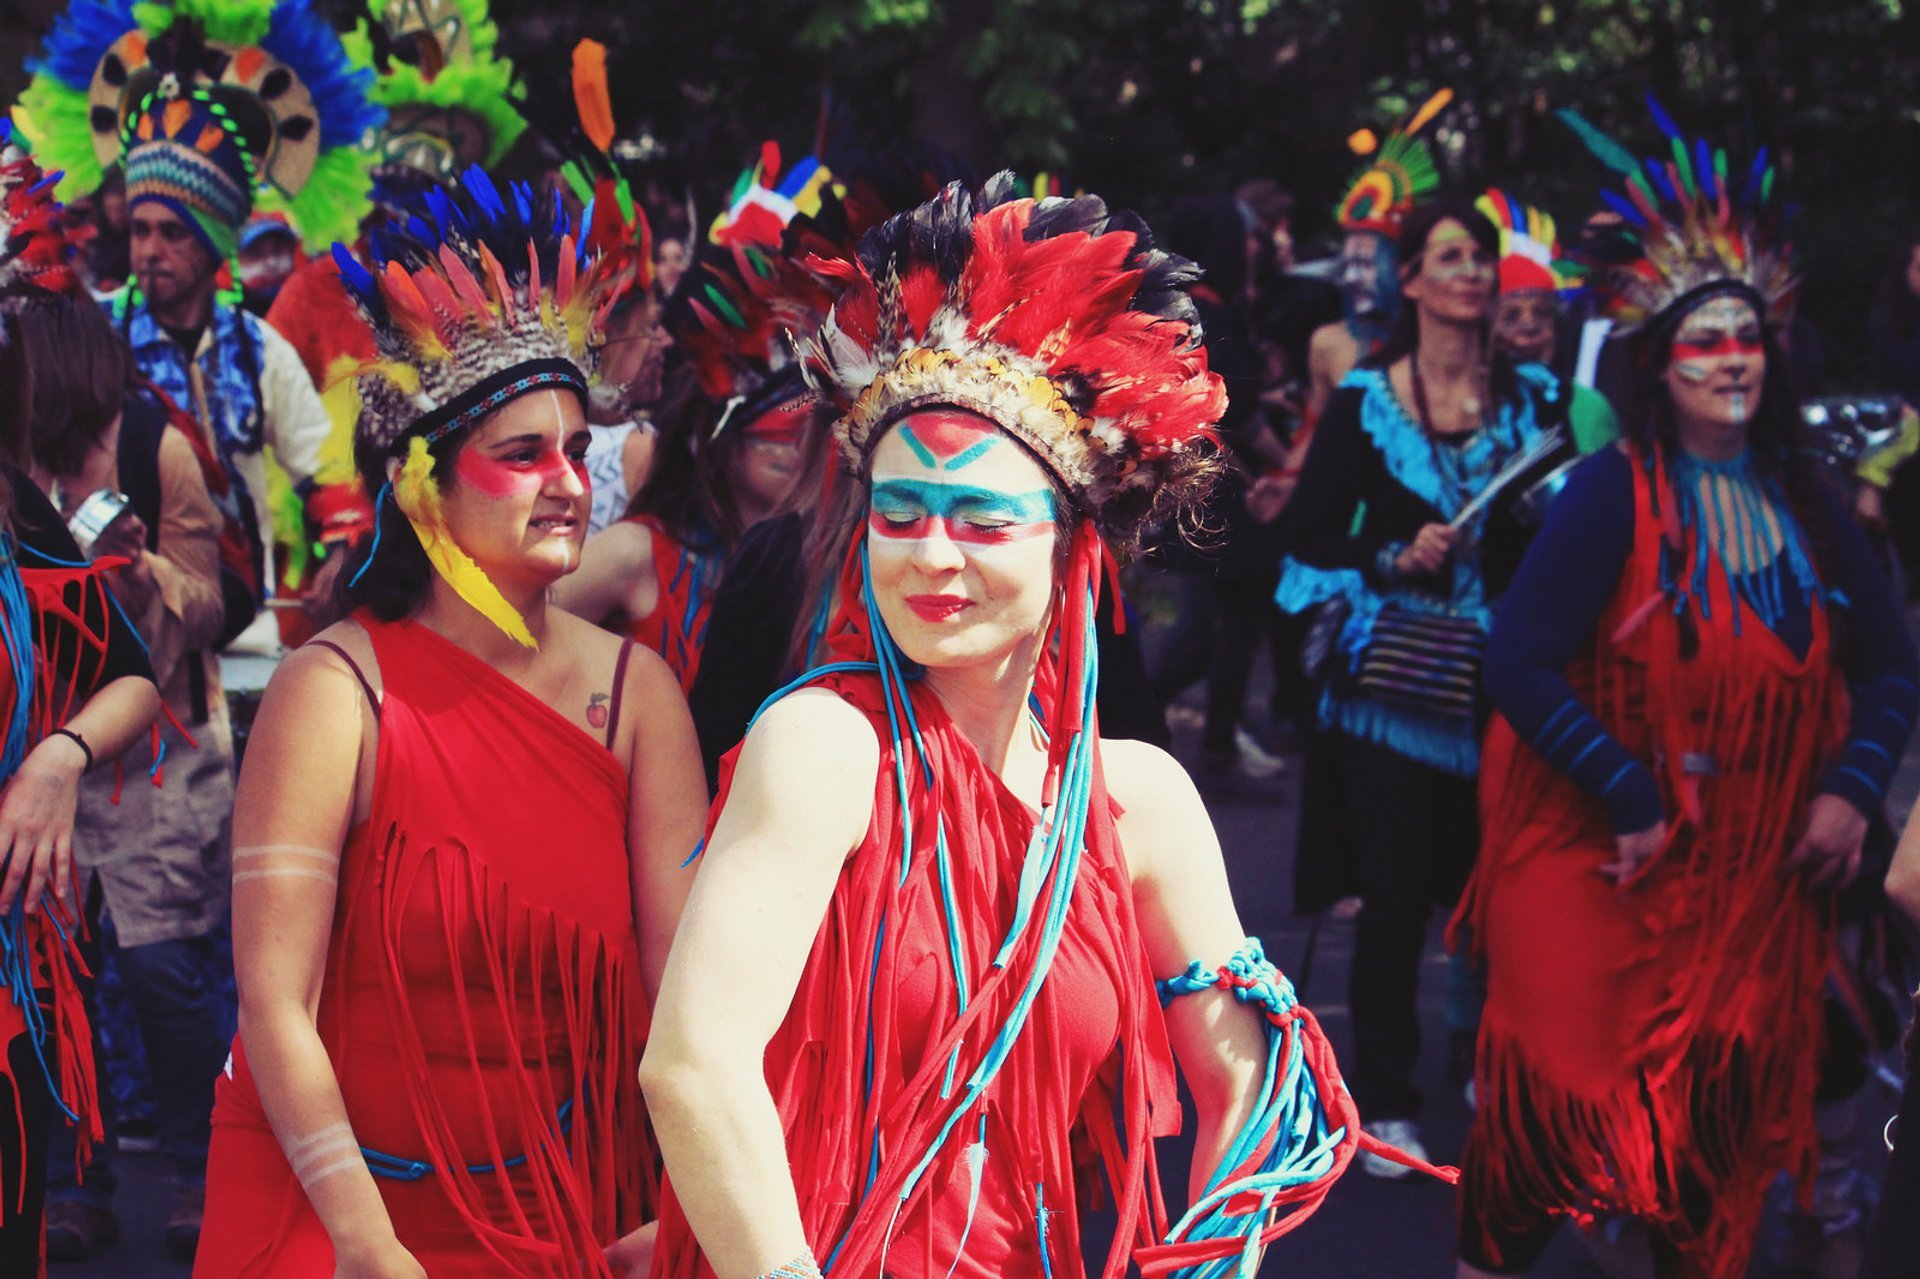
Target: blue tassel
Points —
{"points": [[373, 552]]}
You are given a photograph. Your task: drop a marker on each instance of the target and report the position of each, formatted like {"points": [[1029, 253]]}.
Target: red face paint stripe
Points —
{"points": [[1726, 346]]}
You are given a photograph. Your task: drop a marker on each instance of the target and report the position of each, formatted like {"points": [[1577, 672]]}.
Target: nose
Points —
{"points": [[563, 480], [936, 552]]}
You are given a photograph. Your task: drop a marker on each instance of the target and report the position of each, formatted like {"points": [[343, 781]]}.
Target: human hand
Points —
{"points": [[632, 1257], [36, 823], [1268, 495], [125, 537], [1635, 854], [385, 1259], [1829, 852], [1428, 551]]}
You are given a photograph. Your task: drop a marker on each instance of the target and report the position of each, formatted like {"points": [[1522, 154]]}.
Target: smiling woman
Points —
{"points": [[460, 829]]}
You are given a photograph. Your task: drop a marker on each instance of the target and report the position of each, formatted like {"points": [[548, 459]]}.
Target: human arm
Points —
{"points": [[800, 802], [636, 456], [174, 590], [667, 810], [1883, 677], [1186, 913], [292, 810], [615, 576], [1546, 617], [297, 424]]}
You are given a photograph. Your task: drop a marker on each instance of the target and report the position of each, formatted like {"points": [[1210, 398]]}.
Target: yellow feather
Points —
{"points": [[418, 495]]}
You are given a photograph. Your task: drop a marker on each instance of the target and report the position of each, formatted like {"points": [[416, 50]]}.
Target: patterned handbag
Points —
{"points": [[1424, 661]]}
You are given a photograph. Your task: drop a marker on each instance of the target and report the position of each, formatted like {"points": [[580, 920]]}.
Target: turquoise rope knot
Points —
{"points": [[1250, 975]]}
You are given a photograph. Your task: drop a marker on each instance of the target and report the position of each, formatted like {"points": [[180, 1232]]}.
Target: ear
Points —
{"points": [[393, 469]]}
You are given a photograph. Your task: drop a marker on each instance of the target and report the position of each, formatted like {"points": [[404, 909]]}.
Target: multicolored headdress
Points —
{"points": [[1529, 246], [1688, 231], [1400, 174], [36, 258], [449, 98], [475, 300], [1057, 320], [620, 235], [763, 201], [268, 76]]}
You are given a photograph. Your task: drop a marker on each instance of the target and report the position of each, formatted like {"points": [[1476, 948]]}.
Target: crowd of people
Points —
{"points": [[714, 813]]}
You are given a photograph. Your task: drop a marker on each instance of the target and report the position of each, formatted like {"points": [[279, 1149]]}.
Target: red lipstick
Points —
{"points": [[938, 608]]}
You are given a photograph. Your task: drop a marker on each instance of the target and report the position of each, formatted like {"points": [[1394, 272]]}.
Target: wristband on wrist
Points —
{"points": [[1386, 561], [801, 1267], [79, 741]]}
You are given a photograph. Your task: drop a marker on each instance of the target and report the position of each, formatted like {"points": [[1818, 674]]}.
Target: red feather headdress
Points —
{"points": [[36, 257], [1056, 319]]}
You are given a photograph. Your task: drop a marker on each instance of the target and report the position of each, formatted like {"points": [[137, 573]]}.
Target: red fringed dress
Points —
{"points": [[687, 579], [482, 1004], [1654, 1052], [1089, 1082]]}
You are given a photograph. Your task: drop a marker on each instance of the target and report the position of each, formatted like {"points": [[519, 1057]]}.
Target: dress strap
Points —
{"points": [[619, 691], [373, 698]]}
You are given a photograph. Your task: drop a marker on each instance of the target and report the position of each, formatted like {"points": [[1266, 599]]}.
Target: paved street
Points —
{"points": [[1373, 1229]]}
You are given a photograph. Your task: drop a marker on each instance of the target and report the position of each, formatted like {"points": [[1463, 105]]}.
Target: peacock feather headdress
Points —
{"points": [[1529, 246], [1688, 229], [36, 257], [1400, 174], [270, 73], [449, 97], [1056, 319]]}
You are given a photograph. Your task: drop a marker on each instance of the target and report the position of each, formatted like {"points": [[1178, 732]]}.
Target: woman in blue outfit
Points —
{"points": [[1380, 532]]}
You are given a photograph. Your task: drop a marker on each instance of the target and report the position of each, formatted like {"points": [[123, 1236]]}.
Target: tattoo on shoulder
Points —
{"points": [[597, 710]]}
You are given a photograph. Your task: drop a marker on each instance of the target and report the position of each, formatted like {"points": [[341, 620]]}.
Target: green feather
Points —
{"points": [[229, 22], [725, 307], [330, 206], [1604, 148], [481, 89], [63, 140], [1766, 186], [1685, 165]]}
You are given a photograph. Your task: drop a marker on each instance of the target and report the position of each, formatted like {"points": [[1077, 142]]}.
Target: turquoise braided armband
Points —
{"points": [[801, 1267], [1250, 975]]}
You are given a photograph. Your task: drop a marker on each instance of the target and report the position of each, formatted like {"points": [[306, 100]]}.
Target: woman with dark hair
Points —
{"points": [[735, 435], [78, 692], [157, 853], [460, 825], [1385, 527], [1681, 776]]}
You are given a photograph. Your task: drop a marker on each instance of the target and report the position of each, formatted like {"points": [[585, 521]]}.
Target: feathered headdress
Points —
{"points": [[36, 258], [1687, 229], [1529, 246], [449, 98], [1401, 173], [1058, 320], [620, 234], [475, 300], [274, 68]]}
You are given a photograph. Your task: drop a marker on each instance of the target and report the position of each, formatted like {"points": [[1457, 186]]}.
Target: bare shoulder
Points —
{"points": [[1162, 821], [809, 760], [1147, 782], [813, 727], [624, 542], [320, 659]]}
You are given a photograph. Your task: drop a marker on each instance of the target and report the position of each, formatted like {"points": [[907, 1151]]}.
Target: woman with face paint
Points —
{"points": [[1386, 526], [460, 826], [913, 999], [736, 434], [1680, 777]]}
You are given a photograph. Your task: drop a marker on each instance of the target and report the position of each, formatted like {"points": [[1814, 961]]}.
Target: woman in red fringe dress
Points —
{"points": [[1679, 777], [910, 1020], [460, 826]]}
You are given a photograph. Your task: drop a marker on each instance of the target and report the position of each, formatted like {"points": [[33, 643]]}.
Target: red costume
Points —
{"points": [[482, 1004], [1654, 1052], [1091, 1079], [686, 580]]}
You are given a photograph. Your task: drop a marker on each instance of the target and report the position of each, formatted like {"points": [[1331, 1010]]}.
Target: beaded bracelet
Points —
{"points": [[801, 1267]]}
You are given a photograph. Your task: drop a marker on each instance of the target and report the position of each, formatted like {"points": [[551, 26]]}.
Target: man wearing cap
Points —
{"points": [[189, 192]]}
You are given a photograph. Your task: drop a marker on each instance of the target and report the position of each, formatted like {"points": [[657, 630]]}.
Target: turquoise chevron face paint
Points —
{"points": [[961, 528]]}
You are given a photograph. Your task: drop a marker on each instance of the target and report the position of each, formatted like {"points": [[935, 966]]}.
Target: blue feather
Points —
{"points": [[523, 203], [358, 279], [1662, 120], [1703, 167], [1661, 186], [343, 100], [485, 196], [80, 39], [1623, 206]]}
